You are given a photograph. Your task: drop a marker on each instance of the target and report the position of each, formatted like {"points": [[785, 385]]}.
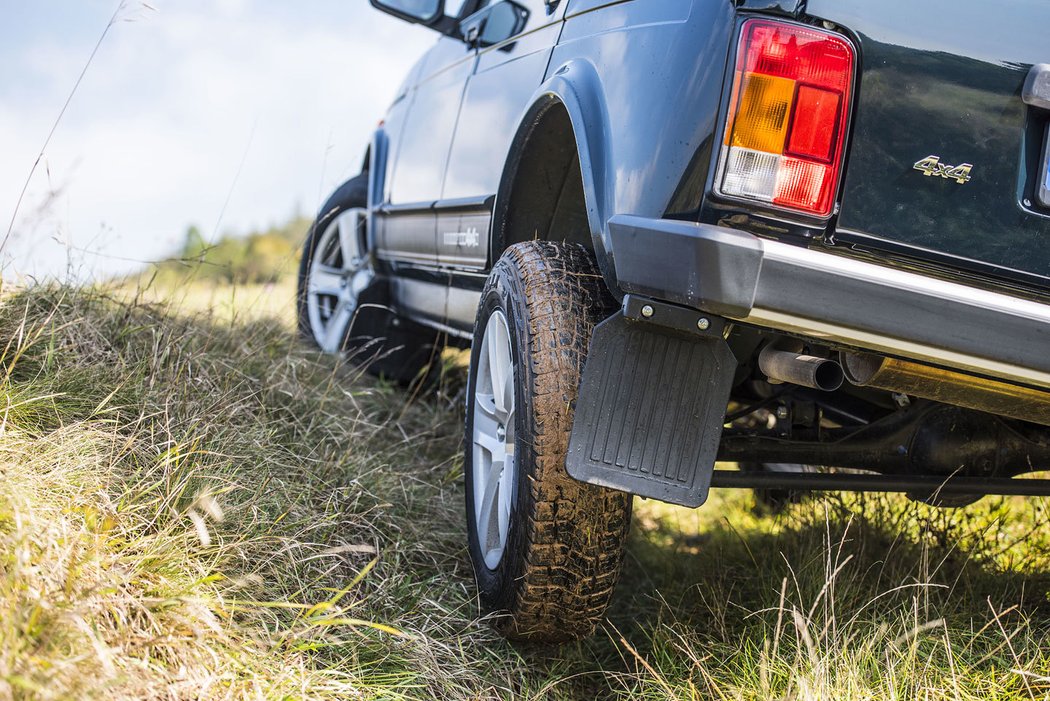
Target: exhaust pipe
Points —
{"points": [[947, 386], [792, 368]]}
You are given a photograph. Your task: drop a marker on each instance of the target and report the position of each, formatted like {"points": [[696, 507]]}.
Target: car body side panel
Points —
{"points": [[496, 98], [643, 127], [659, 108], [578, 7], [504, 79], [383, 149], [431, 122]]}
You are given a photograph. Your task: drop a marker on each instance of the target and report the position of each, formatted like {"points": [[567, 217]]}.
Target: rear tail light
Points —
{"points": [[787, 121]]}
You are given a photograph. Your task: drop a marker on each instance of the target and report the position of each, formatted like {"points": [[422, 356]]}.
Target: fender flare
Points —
{"points": [[576, 87]]}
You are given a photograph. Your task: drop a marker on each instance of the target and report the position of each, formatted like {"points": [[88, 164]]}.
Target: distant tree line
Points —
{"points": [[256, 257]]}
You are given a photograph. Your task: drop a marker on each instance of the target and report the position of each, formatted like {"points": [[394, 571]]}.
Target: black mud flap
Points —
{"points": [[651, 406]]}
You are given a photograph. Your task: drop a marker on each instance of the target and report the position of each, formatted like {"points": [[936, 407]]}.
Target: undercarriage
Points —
{"points": [[826, 416]]}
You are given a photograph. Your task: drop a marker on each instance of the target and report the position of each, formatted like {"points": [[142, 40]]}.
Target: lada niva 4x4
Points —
{"points": [[777, 233]]}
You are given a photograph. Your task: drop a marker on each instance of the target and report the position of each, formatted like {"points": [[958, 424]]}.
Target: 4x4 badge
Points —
{"points": [[931, 165]]}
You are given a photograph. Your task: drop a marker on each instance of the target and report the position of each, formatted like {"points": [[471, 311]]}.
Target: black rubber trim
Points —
{"points": [[702, 266], [650, 411]]}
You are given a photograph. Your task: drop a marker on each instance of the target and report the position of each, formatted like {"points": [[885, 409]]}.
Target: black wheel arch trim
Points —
{"points": [[575, 87]]}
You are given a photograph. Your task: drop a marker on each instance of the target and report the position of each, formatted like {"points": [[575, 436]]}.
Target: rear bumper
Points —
{"points": [[825, 296]]}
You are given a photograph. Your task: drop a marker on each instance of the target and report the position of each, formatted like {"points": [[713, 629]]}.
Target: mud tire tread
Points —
{"points": [[574, 533]]}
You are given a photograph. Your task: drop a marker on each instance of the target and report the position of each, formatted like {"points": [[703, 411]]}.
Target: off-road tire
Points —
{"points": [[566, 539], [386, 344]]}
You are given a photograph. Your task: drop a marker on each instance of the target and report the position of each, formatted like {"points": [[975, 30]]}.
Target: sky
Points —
{"points": [[225, 114]]}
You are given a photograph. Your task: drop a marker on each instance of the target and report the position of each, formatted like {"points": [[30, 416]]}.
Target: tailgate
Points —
{"points": [[940, 89]]}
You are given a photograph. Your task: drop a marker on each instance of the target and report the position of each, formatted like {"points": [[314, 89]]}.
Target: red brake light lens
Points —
{"points": [[787, 123]]}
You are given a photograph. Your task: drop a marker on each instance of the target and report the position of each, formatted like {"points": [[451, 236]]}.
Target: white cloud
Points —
{"points": [[172, 104]]}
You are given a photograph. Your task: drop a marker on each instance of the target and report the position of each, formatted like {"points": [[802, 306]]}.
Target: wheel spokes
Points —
{"points": [[338, 274], [493, 466], [359, 281], [486, 435], [486, 404], [326, 281], [499, 366], [335, 329], [507, 393], [348, 246], [489, 501], [505, 492]]}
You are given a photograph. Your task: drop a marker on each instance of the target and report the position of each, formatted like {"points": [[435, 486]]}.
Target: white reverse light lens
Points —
{"points": [[751, 174]]}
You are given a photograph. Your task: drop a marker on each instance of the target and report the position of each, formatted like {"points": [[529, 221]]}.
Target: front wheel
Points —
{"points": [[546, 549], [342, 303]]}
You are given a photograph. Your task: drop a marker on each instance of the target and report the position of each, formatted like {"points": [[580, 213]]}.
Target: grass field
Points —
{"points": [[195, 505]]}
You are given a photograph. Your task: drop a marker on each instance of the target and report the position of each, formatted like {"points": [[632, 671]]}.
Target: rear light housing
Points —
{"points": [[786, 128]]}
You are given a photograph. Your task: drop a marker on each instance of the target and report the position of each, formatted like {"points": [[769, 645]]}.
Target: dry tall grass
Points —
{"points": [[194, 505]]}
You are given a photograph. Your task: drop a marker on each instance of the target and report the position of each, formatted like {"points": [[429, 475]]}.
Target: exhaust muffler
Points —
{"points": [[947, 386]]}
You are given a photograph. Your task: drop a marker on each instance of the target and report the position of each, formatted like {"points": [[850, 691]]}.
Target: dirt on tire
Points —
{"points": [[567, 538]]}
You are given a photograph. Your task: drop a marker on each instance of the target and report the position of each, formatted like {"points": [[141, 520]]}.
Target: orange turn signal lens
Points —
{"points": [[762, 117]]}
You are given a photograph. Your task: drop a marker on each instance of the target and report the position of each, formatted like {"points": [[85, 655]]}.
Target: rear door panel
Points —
{"points": [[405, 220], [943, 78], [505, 77], [423, 154]]}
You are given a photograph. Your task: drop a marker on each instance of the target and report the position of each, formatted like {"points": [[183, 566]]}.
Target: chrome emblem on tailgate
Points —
{"points": [[931, 165]]}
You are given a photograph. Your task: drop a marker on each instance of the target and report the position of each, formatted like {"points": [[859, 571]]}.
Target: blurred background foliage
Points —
{"points": [[258, 257]]}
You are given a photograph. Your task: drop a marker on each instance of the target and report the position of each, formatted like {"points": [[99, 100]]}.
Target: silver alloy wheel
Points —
{"points": [[338, 273], [494, 470]]}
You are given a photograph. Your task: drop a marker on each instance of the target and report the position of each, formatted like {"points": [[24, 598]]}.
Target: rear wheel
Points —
{"points": [[342, 303], [546, 549]]}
